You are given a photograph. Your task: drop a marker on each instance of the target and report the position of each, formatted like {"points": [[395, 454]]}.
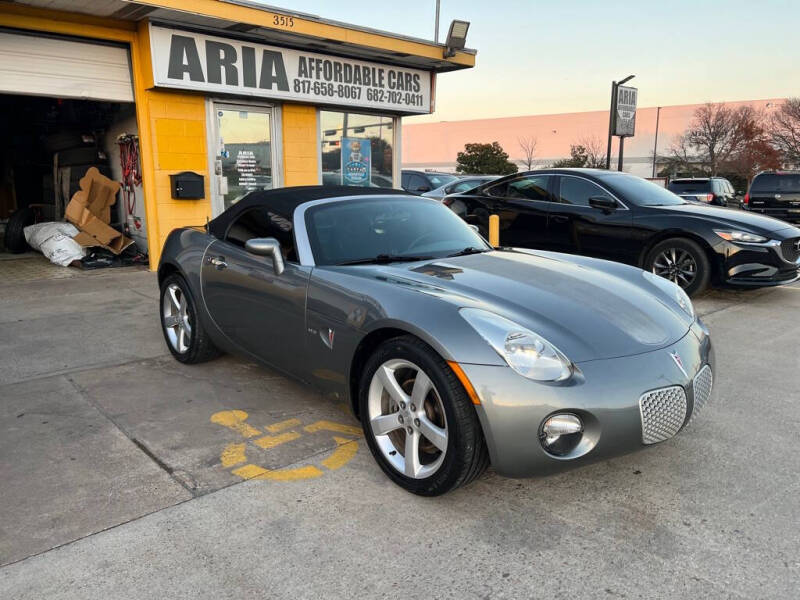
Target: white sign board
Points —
{"points": [[195, 61], [625, 118]]}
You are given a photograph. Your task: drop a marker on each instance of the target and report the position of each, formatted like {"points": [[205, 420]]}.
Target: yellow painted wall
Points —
{"points": [[300, 160], [178, 143]]}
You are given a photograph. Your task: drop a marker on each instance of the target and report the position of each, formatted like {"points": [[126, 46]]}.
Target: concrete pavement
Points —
{"points": [[123, 477]]}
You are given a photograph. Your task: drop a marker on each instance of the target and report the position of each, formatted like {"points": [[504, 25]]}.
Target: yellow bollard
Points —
{"points": [[494, 231]]}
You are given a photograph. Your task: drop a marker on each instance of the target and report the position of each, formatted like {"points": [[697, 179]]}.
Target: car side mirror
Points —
{"points": [[423, 188], [604, 203], [267, 247], [739, 193], [475, 228]]}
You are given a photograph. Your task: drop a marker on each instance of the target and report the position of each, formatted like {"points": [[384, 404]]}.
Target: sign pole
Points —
{"points": [[611, 123], [621, 152]]}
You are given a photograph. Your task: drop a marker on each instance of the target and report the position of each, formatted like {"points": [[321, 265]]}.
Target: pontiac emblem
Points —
{"points": [[676, 357]]}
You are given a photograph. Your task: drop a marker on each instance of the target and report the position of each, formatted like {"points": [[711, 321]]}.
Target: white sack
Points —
{"points": [[54, 240]]}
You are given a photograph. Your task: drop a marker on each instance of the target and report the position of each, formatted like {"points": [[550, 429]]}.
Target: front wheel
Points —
{"points": [[418, 421], [185, 335], [683, 262]]}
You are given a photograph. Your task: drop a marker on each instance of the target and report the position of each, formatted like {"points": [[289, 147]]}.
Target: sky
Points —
{"points": [[542, 57]]}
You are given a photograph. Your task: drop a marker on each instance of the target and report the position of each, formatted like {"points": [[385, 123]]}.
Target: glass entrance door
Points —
{"points": [[243, 154]]}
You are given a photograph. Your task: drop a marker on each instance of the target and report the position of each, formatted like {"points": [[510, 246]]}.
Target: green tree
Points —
{"points": [[484, 159]]}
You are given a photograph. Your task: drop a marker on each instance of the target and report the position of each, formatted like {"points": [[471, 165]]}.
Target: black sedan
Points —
{"points": [[621, 217]]}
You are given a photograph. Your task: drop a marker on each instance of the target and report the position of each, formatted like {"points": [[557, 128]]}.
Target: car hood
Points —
{"points": [[728, 217], [600, 311]]}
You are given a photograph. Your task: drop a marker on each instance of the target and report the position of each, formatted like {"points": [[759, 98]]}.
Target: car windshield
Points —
{"points": [[640, 191], [386, 229], [685, 187]]}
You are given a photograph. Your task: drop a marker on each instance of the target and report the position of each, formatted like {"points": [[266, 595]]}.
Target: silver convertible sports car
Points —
{"points": [[453, 354]]}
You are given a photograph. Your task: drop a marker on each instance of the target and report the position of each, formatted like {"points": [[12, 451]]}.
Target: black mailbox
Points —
{"points": [[187, 186]]}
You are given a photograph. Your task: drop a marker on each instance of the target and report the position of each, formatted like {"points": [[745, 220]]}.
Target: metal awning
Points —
{"points": [[244, 20]]}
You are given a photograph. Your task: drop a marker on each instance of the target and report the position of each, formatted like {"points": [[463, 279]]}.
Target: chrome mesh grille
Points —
{"points": [[702, 384], [663, 412]]}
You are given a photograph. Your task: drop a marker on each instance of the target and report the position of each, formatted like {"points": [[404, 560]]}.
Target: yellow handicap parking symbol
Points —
{"points": [[235, 454]]}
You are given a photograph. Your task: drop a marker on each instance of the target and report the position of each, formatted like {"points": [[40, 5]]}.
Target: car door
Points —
{"points": [[578, 228], [523, 205], [259, 311]]}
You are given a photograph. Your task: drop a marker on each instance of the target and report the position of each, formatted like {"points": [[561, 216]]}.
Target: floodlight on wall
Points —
{"points": [[456, 37]]}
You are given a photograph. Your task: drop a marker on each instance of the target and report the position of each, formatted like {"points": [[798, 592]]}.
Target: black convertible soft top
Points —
{"points": [[283, 201]]}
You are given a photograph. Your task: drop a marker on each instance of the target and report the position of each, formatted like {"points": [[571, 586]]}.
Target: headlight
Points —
{"points": [[741, 236], [674, 290], [527, 353]]}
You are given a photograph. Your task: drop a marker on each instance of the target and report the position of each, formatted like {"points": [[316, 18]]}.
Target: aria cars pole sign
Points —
{"points": [[195, 61], [625, 111]]}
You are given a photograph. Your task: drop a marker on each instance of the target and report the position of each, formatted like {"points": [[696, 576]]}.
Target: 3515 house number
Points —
{"points": [[283, 21]]}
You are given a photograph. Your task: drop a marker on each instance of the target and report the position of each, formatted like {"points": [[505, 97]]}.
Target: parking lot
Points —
{"points": [[128, 475]]}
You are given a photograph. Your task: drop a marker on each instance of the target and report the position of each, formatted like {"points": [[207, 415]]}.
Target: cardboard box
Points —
{"points": [[90, 211]]}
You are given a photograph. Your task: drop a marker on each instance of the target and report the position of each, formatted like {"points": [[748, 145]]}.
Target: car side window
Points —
{"points": [[577, 191], [462, 186], [263, 223], [533, 187], [415, 182]]}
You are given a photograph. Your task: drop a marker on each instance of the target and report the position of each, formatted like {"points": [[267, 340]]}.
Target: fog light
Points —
{"points": [[561, 433]]}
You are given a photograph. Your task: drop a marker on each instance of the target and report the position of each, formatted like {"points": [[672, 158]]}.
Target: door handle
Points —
{"points": [[218, 262], [559, 219]]}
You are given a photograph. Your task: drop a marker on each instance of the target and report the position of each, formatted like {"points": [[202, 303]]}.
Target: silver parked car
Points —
{"points": [[462, 185], [452, 354]]}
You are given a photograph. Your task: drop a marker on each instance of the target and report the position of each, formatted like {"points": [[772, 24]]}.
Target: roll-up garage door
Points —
{"points": [[44, 66]]}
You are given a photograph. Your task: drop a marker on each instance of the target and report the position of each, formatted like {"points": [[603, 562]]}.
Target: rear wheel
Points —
{"points": [[418, 420], [185, 335], [683, 262]]}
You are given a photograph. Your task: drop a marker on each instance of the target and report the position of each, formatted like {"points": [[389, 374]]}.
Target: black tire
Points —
{"points": [[466, 455], [15, 234], [200, 347], [691, 249]]}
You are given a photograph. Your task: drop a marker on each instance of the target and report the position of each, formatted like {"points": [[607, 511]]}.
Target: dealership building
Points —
{"points": [[215, 98], [436, 145]]}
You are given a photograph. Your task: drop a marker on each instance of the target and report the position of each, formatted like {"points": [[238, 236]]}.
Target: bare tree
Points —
{"points": [[715, 133], [528, 147], [785, 130], [595, 149], [755, 151]]}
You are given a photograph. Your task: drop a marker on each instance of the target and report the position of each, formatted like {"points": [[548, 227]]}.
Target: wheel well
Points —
{"points": [[365, 348], [165, 271], [713, 259]]}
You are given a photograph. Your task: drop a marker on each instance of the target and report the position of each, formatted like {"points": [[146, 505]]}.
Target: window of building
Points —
{"points": [[357, 149]]}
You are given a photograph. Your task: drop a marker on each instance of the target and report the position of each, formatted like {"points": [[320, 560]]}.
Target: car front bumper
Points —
{"points": [[605, 394], [758, 264]]}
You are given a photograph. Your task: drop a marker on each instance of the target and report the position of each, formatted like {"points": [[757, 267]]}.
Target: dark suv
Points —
{"points": [[418, 182], [710, 190], [775, 193]]}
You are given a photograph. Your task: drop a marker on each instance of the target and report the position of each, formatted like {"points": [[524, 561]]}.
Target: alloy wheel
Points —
{"points": [[407, 419], [677, 265], [175, 312]]}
